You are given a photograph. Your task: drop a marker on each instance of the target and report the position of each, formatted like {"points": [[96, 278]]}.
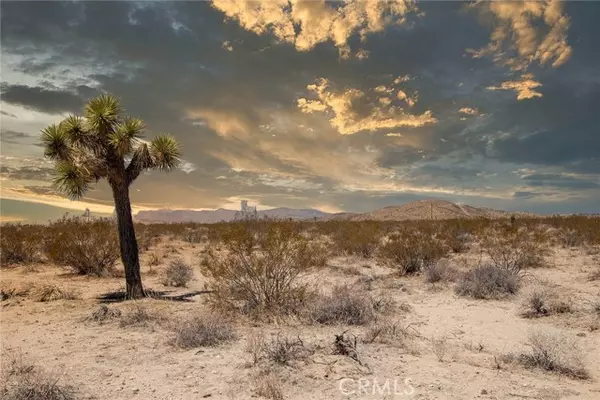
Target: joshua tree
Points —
{"points": [[105, 144]]}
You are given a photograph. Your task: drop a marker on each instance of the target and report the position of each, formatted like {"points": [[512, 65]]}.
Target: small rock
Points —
{"points": [[483, 391], [581, 334]]}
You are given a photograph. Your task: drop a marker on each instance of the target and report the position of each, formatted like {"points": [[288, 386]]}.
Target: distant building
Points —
{"points": [[246, 212]]}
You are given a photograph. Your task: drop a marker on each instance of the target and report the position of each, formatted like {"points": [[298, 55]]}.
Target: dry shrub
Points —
{"points": [[88, 247], [195, 235], [19, 244], [389, 333], [283, 350], [255, 345], [268, 386], [178, 274], [570, 238], [542, 300], [343, 306], [154, 259], [50, 292], [489, 282], [140, 316], [104, 314], [346, 344], [440, 348], [411, 252], [259, 270], [457, 240], [441, 271], [515, 251], [357, 238], [555, 353], [202, 331], [22, 381], [7, 293], [596, 306]]}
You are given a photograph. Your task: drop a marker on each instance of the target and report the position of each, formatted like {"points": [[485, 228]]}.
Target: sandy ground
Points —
{"points": [[449, 351]]}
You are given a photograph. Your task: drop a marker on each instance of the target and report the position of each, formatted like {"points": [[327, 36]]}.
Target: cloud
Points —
{"points": [[41, 99], [469, 111], [11, 115], [306, 23], [352, 110], [525, 88], [411, 101], [527, 32]]}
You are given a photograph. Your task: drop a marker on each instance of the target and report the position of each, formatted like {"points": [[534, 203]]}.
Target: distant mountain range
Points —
{"points": [[424, 209], [223, 215]]}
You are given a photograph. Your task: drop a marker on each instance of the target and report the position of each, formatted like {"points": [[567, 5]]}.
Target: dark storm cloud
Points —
{"points": [[41, 99], [562, 181], [167, 63]]}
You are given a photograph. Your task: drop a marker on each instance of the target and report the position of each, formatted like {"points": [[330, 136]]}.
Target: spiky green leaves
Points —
{"points": [[124, 138], [72, 180], [102, 114], [165, 152], [57, 145], [95, 146]]}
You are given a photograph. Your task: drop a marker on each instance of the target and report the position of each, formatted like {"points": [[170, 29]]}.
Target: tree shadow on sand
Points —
{"points": [[121, 295]]}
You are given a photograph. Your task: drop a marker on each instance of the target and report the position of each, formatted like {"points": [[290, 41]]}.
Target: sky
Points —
{"points": [[344, 106]]}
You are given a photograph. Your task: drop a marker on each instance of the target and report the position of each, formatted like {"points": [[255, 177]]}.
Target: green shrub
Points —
{"points": [[411, 252], [88, 247], [259, 268], [489, 282]]}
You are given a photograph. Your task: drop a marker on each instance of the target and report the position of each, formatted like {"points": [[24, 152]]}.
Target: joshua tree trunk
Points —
{"points": [[129, 247]]}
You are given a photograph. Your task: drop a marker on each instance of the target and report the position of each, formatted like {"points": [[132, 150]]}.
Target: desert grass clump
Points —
{"points": [[202, 331], [283, 350], [104, 314], [556, 353], [344, 306], [87, 247], [259, 270], [489, 282], [23, 381], [268, 386], [441, 271], [411, 252], [543, 300], [140, 316], [19, 244], [178, 274], [50, 292]]}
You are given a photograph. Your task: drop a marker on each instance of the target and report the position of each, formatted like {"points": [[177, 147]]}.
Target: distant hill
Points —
{"points": [[423, 209], [221, 214]]}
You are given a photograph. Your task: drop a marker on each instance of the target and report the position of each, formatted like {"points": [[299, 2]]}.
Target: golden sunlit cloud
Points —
{"points": [[526, 32], [306, 23], [469, 111], [525, 88], [342, 106]]}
